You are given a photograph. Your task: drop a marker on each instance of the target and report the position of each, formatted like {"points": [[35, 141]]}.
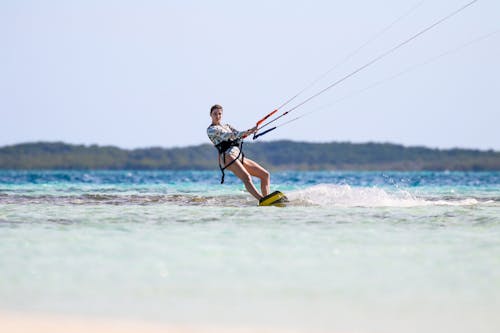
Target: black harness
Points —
{"points": [[222, 147]]}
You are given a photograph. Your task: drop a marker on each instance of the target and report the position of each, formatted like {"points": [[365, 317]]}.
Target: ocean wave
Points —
{"points": [[324, 195], [125, 199], [347, 196]]}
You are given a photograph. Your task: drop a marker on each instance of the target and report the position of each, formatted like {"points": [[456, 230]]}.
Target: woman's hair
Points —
{"points": [[215, 107]]}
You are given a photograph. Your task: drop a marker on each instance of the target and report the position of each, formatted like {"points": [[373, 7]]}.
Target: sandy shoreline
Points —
{"points": [[19, 322]]}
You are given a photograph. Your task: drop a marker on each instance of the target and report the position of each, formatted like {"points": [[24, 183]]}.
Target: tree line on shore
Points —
{"points": [[275, 155]]}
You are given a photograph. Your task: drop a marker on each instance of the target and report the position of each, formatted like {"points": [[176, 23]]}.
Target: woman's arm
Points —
{"points": [[217, 134], [243, 134]]}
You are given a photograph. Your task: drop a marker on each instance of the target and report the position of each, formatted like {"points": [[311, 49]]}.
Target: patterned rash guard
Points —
{"points": [[219, 133]]}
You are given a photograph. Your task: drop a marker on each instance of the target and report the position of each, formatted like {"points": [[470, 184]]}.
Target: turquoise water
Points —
{"points": [[352, 252]]}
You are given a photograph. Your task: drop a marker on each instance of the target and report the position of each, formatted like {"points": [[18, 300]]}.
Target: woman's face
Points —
{"points": [[216, 116]]}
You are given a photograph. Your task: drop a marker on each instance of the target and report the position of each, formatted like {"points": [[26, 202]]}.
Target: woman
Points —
{"points": [[228, 141]]}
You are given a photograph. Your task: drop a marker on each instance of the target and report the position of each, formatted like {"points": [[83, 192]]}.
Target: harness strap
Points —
{"points": [[228, 145]]}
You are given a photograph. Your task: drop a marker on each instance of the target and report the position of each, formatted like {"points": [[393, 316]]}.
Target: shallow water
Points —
{"points": [[352, 252]]}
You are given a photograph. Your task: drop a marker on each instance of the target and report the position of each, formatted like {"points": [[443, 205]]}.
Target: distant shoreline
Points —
{"points": [[275, 155]]}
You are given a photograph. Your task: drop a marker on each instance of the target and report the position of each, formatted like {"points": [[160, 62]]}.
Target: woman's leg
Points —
{"points": [[256, 170], [240, 172]]}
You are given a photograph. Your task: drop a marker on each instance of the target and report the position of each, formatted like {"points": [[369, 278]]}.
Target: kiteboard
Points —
{"points": [[274, 199]]}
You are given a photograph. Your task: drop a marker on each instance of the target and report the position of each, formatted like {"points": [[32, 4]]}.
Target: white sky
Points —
{"points": [[145, 73]]}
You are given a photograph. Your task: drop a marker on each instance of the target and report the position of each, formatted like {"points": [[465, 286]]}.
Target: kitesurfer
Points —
{"points": [[228, 142]]}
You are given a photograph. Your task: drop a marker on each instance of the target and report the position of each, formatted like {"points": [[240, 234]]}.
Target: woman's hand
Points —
{"points": [[252, 130], [249, 131]]}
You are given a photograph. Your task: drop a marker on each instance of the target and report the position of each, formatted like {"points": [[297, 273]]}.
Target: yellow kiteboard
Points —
{"points": [[274, 199]]}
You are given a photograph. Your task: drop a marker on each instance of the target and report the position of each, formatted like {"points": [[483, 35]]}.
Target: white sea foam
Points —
{"points": [[345, 195]]}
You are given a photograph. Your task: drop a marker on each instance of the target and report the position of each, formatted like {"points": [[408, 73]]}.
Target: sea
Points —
{"points": [[351, 252]]}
